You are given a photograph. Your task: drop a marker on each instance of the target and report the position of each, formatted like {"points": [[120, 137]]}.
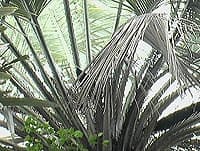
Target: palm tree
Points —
{"points": [[112, 95]]}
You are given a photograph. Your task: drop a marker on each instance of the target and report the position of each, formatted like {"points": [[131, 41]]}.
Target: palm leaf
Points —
{"points": [[9, 143], [140, 7], [8, 101], [182, 131], [5, 11], [4, 76], [111, 93], [118, 14], [110, 62], [88, 43], [71, 33], [176, 117]]}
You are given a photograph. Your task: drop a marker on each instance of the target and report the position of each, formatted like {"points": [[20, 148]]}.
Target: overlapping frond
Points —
{"points": [[183, 131], [111, 96], [144, 6]]}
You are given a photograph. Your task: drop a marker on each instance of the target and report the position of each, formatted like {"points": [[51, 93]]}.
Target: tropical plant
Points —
{"points": [[113, 95]]}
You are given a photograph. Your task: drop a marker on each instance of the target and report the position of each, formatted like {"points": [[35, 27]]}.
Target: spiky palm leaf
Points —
{"points": [[116, 84]]}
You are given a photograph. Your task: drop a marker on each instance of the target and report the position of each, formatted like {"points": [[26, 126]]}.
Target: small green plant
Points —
{"points": [[94, 138], [68, 139]]}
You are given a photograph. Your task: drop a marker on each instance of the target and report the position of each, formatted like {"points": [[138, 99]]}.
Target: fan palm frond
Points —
{"points": [[142, 7], [183, 131], [113, 96]]}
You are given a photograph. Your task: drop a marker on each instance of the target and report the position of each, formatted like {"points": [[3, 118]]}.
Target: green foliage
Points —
{"points": [[95, 138], [56, 140], [40, 31], [35, 144], [105, 142], [33, 126]]}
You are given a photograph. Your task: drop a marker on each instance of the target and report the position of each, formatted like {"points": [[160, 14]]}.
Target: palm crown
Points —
{"points": [[112, 94]]}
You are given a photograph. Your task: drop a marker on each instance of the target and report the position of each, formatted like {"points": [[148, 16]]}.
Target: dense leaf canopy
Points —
{"points": [[108, 69]]}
